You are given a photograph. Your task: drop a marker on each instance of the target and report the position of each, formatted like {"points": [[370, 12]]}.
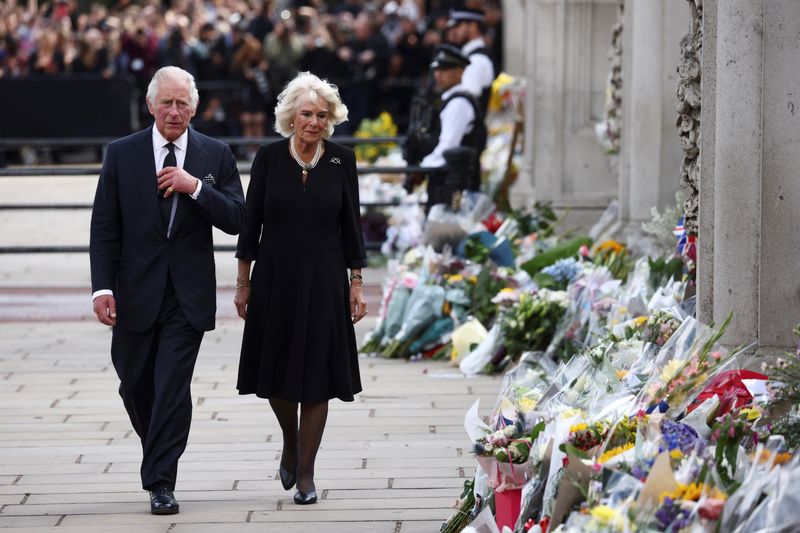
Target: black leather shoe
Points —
{"points": [[303, 498], [162, 501], [288, 479]]}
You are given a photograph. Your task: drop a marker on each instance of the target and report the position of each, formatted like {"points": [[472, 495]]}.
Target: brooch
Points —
{"points": [[336, 161], [209, 180]]}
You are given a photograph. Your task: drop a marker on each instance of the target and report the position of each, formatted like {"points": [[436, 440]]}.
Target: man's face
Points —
{"points": [[172, 108], [458, 34], [447, 77]]}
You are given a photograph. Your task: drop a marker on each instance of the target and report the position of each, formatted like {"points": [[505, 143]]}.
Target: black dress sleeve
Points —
{"points": [[247, 246], [350, 219]]}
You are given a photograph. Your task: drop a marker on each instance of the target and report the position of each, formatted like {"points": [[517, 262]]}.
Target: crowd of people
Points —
{"points": [[242, 52]]}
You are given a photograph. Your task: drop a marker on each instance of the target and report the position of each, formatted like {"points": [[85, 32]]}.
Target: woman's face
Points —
{"points": [[310, 119]]}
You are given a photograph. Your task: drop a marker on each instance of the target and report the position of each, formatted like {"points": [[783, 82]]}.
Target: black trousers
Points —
{"points": [[155, 370]]}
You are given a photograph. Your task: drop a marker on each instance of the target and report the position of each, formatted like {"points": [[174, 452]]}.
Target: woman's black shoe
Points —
{"points": [[288, 479], [302, 498]]}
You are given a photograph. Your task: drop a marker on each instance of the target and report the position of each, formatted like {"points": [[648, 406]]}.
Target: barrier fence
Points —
{"points": [[244, 168]]}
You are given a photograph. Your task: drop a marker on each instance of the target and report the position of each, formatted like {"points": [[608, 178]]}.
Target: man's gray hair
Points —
{"points": [[308, 85], [177, 74]]}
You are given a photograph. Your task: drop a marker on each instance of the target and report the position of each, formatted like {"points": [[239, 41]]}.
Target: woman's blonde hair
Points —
{"points": [[308, 85]]}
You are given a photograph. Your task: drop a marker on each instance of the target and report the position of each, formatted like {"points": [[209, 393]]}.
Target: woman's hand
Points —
{"points": [[358, 305], [241, 299]]}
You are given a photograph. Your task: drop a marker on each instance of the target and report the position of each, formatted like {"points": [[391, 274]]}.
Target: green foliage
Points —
{"points": [[530, 325], [560, 251], [475, 250], [619, 264], [663, 269], [486, 287], [542, 219], [787, 397]]}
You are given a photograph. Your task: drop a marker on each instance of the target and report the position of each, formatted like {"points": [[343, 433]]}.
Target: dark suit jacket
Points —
{"points": [[129, 250]]}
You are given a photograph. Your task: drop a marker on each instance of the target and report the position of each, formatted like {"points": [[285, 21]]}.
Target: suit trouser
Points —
{"points": [[155, 370]]}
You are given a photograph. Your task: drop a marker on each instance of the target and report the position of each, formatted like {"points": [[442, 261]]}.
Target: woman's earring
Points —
{"points": [[291, 125]]}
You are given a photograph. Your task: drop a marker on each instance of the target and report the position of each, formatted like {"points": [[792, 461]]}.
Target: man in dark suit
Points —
{"points": [[152, 257]]}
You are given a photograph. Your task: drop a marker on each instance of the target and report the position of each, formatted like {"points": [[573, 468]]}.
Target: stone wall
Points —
{"points": [[749, 241], [566, 70]]}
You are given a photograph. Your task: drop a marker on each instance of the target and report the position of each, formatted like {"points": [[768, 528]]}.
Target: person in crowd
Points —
{"points": [[49, 57], [261, 24], [92, 55], [466, 27], [250, 67], [152, 266], [302, 234], [283, 49], [367, 56]]}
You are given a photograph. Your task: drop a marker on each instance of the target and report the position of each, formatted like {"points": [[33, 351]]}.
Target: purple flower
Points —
{"points": [[678, 436]]}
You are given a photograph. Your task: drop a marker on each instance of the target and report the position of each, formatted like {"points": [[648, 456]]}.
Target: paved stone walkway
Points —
{"points": [[392, 461]]}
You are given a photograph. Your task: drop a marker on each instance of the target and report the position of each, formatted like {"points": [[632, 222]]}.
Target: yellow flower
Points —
{"points": [[693, 492], [526, 405], [639, 320], [613, 452], [473, 279], [780, 459], [610, 246], [751, 412], [570, 412], [621, 374], [455, 278], [577, 427], [609, 517], [676, 454], [506, 289], [671, 370]]}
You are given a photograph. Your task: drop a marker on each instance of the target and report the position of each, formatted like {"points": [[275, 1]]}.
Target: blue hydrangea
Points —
{"points": [[563, 270], [678, 436]]}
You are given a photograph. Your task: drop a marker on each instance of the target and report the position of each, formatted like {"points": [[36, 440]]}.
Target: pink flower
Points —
{"points": [[597, 468], [716, 356], [711, 508], [584, 251], [731, 432]]}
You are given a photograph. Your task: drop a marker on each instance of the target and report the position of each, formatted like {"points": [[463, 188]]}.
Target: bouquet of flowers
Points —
{"points": [[382, 126], [530, 324]]}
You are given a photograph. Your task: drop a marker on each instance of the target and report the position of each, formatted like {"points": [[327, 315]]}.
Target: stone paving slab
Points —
{"points": [[394, 460]]}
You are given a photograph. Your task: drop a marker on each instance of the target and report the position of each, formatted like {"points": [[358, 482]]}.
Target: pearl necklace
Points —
{"points": [[303, 165]]}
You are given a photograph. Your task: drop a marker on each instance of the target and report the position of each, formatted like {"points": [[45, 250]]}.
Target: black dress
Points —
{"points": [[299, 344]]}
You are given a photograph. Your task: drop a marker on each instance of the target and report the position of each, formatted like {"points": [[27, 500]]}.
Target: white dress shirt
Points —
{"points": [[479, 74], [160, 152], [456, 121]]}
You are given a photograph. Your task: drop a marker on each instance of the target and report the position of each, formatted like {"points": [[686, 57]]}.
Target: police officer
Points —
{"points": [[460, 117], [466, 28]]}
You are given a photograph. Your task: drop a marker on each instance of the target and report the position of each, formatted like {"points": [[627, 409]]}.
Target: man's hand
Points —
{"points": [[175, 179], [358, 305], [105, 308]]}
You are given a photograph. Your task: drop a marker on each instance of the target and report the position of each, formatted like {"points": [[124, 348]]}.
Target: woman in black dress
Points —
{"points": [[303, 232]]}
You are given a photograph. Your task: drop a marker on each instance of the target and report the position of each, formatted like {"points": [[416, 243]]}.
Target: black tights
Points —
{"points": [[300, 446]]}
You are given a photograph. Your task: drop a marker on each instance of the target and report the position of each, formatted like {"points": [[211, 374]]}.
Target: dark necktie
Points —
{"points": [[165, 204]]}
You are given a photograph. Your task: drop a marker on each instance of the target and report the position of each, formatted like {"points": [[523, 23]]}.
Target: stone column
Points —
{"points": [[650, 156], [566, 75], [514, 26], [753, 268], [522, 193]]}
